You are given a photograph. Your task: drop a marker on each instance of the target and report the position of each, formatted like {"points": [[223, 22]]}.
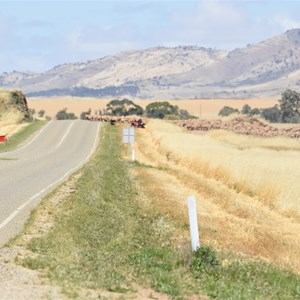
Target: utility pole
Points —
{"points": [[200, 114]]}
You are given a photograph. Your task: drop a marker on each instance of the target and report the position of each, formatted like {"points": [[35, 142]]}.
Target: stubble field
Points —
{"points": [[247, 191], [204, 108]]}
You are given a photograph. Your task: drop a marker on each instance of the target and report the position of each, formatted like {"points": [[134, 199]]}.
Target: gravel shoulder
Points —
{"points": [[17, 282]]}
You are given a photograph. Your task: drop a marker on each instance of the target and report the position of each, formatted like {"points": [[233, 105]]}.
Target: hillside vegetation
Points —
{"points": [[185, 72]]}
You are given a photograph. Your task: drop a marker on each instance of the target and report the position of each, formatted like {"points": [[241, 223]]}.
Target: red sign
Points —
{"points": [[3, 138]]}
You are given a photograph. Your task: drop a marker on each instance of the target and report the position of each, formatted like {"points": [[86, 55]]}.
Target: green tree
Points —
{"points": [[63, 115], [41, 113], [272, 114], [290, 106], [72, 116], [246, 110], [159, 110], [84, 114], [185, 115], [254, 112], [227, 110], [123, 107]]}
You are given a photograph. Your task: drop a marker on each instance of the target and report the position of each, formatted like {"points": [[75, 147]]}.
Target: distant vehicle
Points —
{"points": [[138, 123], [3, 138]]}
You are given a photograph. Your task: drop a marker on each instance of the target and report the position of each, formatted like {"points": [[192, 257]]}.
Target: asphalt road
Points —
{"points": [[30, 172]]}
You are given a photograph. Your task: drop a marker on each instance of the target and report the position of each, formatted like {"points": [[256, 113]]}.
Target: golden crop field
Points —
{"points": [[203, 108], [247, 187]]}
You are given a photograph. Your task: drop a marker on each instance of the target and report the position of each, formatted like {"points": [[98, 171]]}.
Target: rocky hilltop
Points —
{"points": [[13, 105], [265, 69]]}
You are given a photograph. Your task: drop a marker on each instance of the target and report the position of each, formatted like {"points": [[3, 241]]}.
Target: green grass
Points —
{"points": [[21, 136], [104, 239]]}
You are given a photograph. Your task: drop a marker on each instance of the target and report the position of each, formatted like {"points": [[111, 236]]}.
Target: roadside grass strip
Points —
{"points": [[105, 238], [18, 138]]}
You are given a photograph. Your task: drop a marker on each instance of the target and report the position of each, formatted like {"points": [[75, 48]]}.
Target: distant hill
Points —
{"points": [[265, 69]]}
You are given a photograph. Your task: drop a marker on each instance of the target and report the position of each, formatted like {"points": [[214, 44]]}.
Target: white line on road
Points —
{"points": [[19, 209], [26, 145], [62, 139]]}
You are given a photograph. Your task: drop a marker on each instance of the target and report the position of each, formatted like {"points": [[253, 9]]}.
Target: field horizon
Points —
{"points": [[203, 108]]}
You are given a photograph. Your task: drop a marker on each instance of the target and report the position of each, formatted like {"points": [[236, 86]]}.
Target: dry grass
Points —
{"points": [[207, 108], [11, 123], [245, 189]]}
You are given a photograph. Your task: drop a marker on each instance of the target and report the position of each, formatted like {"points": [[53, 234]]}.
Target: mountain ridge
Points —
{"points": [[264, 69]]}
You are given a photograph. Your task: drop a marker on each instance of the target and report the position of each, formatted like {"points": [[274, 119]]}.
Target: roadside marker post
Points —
{"points": [[128, 138], [193, 223]]}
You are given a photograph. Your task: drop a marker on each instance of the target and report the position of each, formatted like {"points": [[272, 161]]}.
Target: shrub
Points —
{"points": [[41, 113], [63, 115], [205, 260], [227, 110], [246, 110], [272, 114], [255, 111]]}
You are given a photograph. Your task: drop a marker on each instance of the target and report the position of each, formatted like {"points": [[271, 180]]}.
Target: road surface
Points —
{"points": [[30, 172]]}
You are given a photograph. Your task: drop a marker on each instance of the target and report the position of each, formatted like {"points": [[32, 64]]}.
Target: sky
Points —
{"points": [[38, 35]]}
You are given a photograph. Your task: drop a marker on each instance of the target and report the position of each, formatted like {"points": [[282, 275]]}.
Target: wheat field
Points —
{"points": [[246, 188]]}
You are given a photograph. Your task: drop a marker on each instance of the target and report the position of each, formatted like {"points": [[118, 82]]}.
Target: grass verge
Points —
{"points": [[106, 238], [21, 136]]}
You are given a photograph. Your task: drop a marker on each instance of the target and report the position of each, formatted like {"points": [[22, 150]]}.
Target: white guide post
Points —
{"points": [[133, 155], [193, 223], [128, 136]]}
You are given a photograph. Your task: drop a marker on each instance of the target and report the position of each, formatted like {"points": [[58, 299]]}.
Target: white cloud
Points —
{"points": [[212, 24], [123, 25], [101, 40], [228, 24], [286, 22]]}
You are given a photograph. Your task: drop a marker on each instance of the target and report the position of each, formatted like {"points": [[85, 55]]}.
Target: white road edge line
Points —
{"points": [[19, 209], [30, 142], [64, 136]]}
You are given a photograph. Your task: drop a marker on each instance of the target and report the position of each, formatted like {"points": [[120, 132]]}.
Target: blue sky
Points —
{"points": [[37, 35]]}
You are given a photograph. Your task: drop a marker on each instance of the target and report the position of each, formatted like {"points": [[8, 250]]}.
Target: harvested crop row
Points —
{"points": [[241, 125]]}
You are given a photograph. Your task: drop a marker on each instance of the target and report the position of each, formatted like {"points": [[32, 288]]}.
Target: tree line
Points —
{"points": [[287, 111], [126, 107]]}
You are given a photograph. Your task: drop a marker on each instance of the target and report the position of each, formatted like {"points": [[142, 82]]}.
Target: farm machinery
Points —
{"points": [[138, 123]]}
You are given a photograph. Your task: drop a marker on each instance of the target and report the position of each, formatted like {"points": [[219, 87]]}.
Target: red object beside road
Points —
{"points": [[3, 138]]}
